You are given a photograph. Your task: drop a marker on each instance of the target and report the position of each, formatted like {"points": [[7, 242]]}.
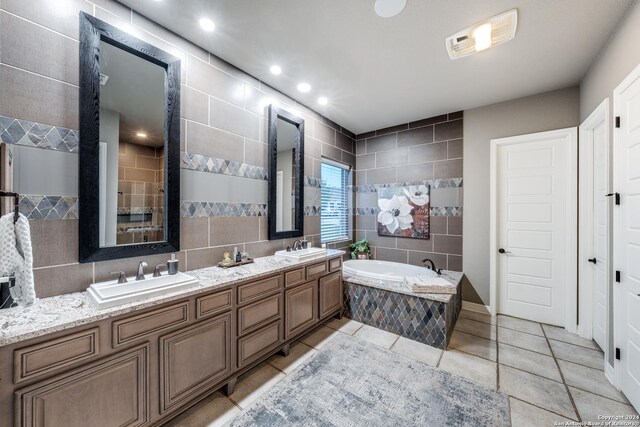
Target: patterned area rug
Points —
{"points": [[351, 382]]}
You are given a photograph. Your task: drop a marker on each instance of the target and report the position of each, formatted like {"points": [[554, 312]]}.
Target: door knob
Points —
{"points": [[502, 251], [593, 260]]}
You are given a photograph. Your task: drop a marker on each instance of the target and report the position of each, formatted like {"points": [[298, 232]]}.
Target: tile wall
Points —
{"points": [[429, 152], [223, 142]]}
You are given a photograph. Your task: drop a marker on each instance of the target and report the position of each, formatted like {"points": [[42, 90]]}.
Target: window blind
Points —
{"points": [[334, 203]]}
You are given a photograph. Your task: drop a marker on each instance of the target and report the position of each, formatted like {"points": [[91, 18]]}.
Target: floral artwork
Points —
{"points": [[404, 211]]}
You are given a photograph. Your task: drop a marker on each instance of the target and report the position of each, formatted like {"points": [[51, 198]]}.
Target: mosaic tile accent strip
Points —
{"points": [[312, 210], [137, 211], [49, 207], [206, 209], [201, 163], [434, 183], [31, 134], [420, 319], [128, 230], [312, 181], [433, 211]]}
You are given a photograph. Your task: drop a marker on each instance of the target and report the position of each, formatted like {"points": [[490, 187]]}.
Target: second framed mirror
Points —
{"points": [[286, 174]]}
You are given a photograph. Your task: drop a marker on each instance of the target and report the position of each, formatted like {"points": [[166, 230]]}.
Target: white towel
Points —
{"points": [[16, 257]]}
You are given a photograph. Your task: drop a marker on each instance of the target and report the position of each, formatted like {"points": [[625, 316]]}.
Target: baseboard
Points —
{"points": [[478, 308]]}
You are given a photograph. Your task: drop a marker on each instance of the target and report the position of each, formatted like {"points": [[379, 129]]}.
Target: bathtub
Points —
{"points": [[383, 270]]}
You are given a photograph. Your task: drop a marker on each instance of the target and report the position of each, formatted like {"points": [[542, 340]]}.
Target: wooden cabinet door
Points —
{"points": [[111, 392], [330, 294], [194, 359], [301, 308]]}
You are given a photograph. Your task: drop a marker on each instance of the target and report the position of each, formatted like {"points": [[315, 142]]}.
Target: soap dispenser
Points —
{"points": [[172, 265]]}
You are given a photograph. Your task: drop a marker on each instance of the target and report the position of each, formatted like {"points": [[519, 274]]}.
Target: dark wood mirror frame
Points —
{"points": [[276, 113], [92, 32]]}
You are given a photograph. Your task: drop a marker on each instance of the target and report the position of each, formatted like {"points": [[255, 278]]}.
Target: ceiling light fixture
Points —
{"points": [[207, 24], [482, 37], [323, 100], [275, 69], [491, 32], [141, 134], [389, 8], [304, 87]]}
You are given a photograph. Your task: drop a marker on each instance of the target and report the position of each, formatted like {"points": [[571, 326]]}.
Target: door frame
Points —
{"points": [[618, 301], [586, 218], [572, 219]]}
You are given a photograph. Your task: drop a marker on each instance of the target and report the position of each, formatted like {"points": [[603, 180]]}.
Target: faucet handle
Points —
{"points": [[156, 272], [122, 277]]}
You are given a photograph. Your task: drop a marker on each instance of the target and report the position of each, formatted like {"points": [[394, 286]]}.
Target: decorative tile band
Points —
{"points": [[434, 183], [312, 181], [49, 207], [207, 209], [138, 211], [201, 163], [433, 211], [31, 134], [312, 210]]}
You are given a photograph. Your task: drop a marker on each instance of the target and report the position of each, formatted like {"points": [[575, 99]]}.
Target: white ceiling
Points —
{"points": [[379, 72]]}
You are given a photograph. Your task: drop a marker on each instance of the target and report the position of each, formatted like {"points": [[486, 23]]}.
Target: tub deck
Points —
{"points": [[393, 307]]}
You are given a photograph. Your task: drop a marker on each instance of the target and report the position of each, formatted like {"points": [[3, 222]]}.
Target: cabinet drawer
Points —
{"points": [[258, 343], [50, 356], [253, 291], [294, 277], [137, 327], [212, 304], [315, 270], [253, 316], [335, 264]]}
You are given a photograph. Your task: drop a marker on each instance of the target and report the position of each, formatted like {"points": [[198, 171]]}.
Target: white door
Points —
{"points": [[536, 225], [600, 235], [627, 234]]}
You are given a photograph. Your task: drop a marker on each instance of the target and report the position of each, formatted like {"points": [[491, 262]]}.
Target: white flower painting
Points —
{"points": [[404, 211], [395, 213]]}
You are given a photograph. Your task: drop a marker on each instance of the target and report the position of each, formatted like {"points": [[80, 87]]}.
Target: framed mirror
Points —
{"points": [[129, 177], [286, 174]]}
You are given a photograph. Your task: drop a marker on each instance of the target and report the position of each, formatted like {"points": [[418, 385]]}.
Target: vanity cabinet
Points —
{"points": [[110, 392], [193, 359], [330, 294], [144, 367], [301, 306]]}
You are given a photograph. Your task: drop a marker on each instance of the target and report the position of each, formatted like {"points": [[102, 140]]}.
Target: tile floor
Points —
{"points": [[549, 374]]}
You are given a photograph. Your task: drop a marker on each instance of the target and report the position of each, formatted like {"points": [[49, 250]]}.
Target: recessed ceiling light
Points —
{"points": [[207, 24], [141, 134], [389, 8], [275, 69], [304, 87], [323, 100]]}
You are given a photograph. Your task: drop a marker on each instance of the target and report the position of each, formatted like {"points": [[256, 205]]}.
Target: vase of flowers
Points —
{"points": [[360, 250]]}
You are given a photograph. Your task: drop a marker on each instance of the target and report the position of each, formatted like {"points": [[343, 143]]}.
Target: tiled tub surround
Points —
{"points": [[429, 152], [393, 307], [222, 119], [63, 312]]}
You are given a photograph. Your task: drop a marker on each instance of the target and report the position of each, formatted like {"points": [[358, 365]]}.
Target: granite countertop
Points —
{"points": [[61, 312], [404, 288]]}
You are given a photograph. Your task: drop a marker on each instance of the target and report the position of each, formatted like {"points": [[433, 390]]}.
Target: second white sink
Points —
{"points": [[112, 293], [302, 254]]}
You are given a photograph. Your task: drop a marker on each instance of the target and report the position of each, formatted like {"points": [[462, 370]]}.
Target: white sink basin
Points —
{"points": [[110, 294], [302, 254]]}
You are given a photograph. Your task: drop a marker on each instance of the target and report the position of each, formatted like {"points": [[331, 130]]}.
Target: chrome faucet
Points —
{"points": [[432, 267], [141, 266], [297, 245]]}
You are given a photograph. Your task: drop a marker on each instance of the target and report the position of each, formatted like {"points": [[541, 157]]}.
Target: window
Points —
{"points": [[334, 202]]}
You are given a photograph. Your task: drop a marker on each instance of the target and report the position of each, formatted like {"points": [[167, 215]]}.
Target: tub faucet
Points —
{"points": [[141, 266], [432, 267]]}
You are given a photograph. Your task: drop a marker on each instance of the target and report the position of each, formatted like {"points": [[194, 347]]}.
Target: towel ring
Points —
{"points": [[16, 203]]}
